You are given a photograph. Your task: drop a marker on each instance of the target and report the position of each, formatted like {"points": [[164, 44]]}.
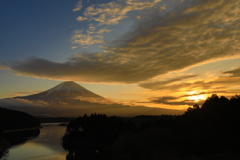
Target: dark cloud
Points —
{"points": [[179, 86], [192, 33], [92, 69], [234, 72], [173, 101]]}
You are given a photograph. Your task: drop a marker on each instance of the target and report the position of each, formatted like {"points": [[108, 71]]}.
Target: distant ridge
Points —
{"points": [[14, 120], [68, 89]]}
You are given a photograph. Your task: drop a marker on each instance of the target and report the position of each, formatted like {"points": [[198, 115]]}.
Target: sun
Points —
{"points": [[196, 98]]}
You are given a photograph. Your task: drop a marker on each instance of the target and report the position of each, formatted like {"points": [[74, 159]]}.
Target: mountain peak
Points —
{"points": [[68, 82], [70, 88]]}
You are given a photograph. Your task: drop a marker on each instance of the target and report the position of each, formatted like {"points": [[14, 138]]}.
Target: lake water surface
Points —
{"points": [[46, 146]]}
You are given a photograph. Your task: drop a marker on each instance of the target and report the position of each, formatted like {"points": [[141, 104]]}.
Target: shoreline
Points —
{"points": [[19, 130]]}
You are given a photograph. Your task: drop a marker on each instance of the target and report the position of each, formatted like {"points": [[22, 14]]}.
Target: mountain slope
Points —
{"points": [[68, 89]]}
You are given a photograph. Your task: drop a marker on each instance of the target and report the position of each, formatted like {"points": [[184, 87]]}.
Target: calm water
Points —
{"points": [[47, 146]]}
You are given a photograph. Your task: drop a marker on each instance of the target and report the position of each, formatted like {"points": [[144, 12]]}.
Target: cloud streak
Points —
{"points": [[96, 100], [234, 72], [216, 86], [170, 100], [18, 102], [159, 84], [194, 32], [78, 6], [17, 94]]}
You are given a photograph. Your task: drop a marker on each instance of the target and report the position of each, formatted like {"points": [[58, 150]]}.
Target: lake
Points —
{"points": [[46, 146]]}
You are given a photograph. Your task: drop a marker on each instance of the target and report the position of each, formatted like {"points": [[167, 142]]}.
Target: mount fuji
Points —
{"points": [[71, 99], [68, 89]]}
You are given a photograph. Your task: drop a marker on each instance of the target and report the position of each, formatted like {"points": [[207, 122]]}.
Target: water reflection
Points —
{"points": [[51, 135], [46, 146]]}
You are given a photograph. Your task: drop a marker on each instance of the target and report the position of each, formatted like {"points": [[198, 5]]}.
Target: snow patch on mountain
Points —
{"points": [[68, 87]]}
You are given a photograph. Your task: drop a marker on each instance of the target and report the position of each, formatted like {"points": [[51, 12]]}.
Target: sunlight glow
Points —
{"points": [[192, 92], [196, 98]]}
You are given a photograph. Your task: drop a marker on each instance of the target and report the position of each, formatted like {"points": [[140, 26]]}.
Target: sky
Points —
{"points": [[156, 53]]}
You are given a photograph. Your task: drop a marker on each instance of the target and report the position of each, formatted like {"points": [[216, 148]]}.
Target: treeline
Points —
{"points": [[93, 136], [214, 127], [217, 113], [210, 131]]}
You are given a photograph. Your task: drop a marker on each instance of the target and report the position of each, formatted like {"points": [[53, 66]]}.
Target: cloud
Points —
{"points": [[78, 6], [234, 72], [96, 100], [172, 101], [158, 84], [82, 68], [193, 33], [190, 99], [108, 14], [103, 30], [21, 103], [17, 94], [89, 37], [3, 67], [74, 47], [111, 13], [216, 86], [86, 39], [80, 18]]}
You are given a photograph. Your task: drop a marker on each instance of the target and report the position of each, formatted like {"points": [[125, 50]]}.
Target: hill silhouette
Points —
{"points": [[15, 128], [12, 119]]}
